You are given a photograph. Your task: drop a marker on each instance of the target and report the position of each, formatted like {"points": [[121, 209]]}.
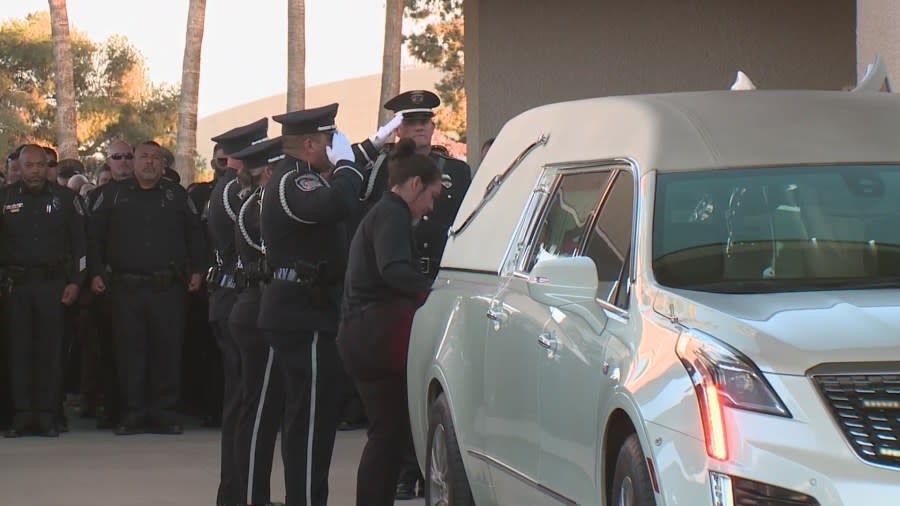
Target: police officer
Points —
{"points": [[221, 215], [42, 233], [204, 379], [262, 402], [146, 247], [416, 108], [120, 159], [304, 211]]}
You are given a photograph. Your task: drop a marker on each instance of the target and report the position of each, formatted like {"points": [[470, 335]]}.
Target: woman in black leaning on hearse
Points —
{"points": [[382, 290]]}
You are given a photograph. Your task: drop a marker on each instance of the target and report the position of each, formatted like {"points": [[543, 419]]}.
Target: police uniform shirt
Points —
{"points": [[140, 231], [382, 263], [43, 229], [224, 204], [248, 244], [303, 218], [431, 232]]}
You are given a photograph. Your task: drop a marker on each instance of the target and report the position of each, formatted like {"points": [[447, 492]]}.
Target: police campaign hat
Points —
{"points": [[239, 138], [260, 154], [414, 104], [308, 121]]}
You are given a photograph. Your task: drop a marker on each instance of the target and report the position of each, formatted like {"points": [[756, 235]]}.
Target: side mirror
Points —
{"points": [[569, 283], [561, 281]]}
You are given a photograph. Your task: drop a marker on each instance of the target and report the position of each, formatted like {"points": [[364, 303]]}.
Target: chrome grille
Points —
{"points": [[867, 408]]}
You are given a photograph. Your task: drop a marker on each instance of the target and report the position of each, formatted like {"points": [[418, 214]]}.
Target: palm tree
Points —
{"points": [[186, 143], [390, 64], [296, 78], [66, 121]]}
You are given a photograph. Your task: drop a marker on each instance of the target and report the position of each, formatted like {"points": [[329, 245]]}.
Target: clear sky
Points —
{"points": [[244, 44]]}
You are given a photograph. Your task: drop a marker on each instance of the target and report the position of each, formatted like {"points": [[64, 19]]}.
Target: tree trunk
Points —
{"points": [[296, 78], [66, 121], [186, 144], [390, 64]]}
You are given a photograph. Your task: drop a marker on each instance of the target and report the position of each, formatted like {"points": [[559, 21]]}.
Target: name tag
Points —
{"points": [[13, 208]]}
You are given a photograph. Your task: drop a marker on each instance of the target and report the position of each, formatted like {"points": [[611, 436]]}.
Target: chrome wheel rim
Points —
{"points": [[626, 492], [438, 489]]}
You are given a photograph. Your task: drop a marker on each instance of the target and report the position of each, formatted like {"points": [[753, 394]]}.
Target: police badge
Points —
{"points": [[170, 195]]}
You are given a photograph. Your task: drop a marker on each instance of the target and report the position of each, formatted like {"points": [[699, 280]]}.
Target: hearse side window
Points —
{"points": [[609, 240], [568, 215]]}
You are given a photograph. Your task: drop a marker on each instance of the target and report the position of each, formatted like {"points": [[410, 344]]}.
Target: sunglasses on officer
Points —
{"points": [[120, 156]]}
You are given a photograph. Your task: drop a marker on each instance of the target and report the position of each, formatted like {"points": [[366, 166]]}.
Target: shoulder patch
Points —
{"points": [[308, 182]]}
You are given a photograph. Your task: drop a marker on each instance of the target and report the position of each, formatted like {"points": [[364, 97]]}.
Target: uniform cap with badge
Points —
{"points": [[308, 121], [415, 104], [259, 155], [239, 138]]}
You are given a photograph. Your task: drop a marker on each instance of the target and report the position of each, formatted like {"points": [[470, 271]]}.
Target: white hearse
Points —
{"points": [[677, 299]]}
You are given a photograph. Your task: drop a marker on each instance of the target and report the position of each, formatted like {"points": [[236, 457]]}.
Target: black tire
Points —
{"points": [[632, 485], [446, 483]]}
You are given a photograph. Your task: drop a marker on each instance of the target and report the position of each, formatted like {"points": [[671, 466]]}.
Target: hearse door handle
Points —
{"points": [[548, 341]]}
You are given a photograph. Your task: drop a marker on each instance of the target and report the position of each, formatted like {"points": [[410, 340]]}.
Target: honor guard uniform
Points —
{"points": [[221, 216], [146, 247], [262, 402], [304, 213], [416, 109], [43, 259]]}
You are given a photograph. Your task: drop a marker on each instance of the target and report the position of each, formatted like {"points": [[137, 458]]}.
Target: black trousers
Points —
{"points": [[229, 476], [310, 373], [104, 321], [261, 413], [34, 324], [150, 334], [389, 440], [373, 342]]}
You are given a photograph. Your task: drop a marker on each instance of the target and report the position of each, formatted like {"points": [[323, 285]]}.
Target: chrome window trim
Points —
{"points": [[526, 227], [521, 477]]}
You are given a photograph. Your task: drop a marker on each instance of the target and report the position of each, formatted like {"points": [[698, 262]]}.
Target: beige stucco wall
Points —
{"points": [[523, 53], [879, 32]]}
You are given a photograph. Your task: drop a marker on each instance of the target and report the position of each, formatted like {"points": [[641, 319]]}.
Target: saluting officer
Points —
{"points": [[221, 215], [146, 247], [304, 209], [262, 402], [43, 257], [416, 108]]}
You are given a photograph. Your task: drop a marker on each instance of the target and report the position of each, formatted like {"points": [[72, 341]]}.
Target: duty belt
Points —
{"points": [[35, 272], [159, 280], [288, 274], [218, 277], [245, 278]]}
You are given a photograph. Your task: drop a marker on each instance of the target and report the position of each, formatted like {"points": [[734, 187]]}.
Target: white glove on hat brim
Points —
{"points": [[340, 149], [386, 132]]}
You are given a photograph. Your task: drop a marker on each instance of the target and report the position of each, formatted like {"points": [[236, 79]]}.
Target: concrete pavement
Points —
{"points": [[92, 468]]}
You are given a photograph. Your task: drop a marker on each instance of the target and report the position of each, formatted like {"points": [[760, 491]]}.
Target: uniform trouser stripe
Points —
{"points": [[312, 419], [259, 412]]}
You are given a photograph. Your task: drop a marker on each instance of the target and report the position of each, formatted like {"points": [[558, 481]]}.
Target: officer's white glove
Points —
{"points": [[386, 132], [340, 149]]}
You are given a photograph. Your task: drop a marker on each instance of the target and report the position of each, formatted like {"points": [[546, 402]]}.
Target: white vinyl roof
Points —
{"points": [[671, 132]]}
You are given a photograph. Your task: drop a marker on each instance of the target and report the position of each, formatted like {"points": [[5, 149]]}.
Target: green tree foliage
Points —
{"points": [[439, 43], [113, 95]]}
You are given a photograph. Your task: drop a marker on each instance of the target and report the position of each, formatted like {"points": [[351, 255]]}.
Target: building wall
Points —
{"points": [[524, 53], [879, 32]]}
